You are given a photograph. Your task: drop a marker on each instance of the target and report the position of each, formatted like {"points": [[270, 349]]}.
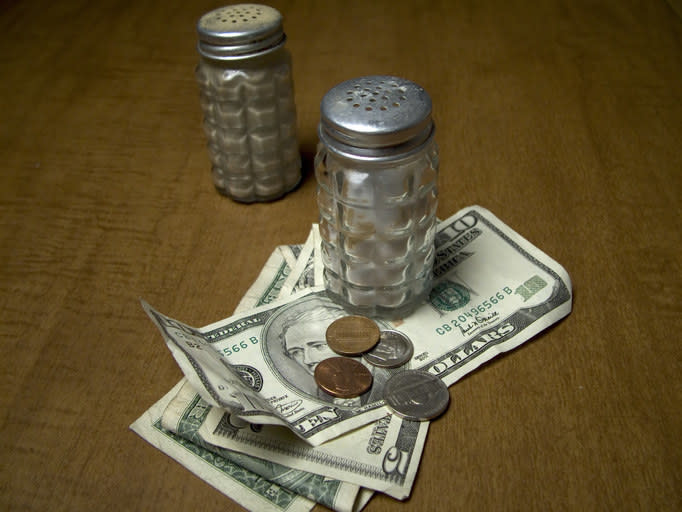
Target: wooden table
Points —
{"points": [[562, 118]]}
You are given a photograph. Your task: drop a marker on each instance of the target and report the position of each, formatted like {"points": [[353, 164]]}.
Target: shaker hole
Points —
{"points": [[356, 105], [368, 108]]}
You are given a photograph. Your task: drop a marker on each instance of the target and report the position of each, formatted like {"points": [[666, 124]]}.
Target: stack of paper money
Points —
{"points": [[248, 417]]}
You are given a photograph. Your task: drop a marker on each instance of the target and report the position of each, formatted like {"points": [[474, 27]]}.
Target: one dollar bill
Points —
{"points": [[247, 488], [187, 412]]}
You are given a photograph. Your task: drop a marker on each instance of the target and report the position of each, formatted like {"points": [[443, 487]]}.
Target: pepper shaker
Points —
{"points": [[376, 168], [247, 98]]}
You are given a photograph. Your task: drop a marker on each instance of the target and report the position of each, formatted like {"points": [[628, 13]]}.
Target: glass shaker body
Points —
{"points": [[376, 168], [247, 98]]}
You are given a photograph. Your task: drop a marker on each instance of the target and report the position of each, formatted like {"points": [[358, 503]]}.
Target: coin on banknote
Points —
{"points": [[416, 395], [352, 335], [394, 349], [343, 377]]}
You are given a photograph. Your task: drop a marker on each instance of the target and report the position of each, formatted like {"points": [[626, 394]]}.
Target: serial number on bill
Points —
{"points": [[475, 315]]}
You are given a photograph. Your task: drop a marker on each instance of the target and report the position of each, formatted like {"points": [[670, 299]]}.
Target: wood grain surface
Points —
{"points": [[562, 118]]}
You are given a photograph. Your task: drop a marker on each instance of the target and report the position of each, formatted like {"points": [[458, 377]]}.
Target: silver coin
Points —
{"points": [[416, 395], [394, 349]]}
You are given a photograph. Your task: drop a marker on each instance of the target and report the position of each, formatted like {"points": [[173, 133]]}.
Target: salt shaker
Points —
{"points": [[247, 98], [376, 168]]}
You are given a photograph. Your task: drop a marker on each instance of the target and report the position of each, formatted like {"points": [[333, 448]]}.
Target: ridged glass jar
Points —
{"points": [[247, 97], [376, 168]]}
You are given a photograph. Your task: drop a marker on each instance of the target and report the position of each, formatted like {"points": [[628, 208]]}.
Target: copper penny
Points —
{"points": [[343, 377], [352, 335]]}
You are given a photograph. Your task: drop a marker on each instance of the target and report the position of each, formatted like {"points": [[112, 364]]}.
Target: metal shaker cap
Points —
{"points": [[376, 117], [240, 31]]}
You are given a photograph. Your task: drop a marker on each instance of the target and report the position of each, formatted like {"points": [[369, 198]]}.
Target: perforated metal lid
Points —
{"points": [[239, 31], [375, 117]]}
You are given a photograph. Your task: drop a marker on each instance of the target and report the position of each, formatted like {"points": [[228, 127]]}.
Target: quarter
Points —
{"points": [[343, 377], [416, 395], [394, 349], [352, 335]]}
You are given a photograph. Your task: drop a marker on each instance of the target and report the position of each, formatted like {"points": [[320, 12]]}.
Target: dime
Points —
{"points": [[394, 349], [352, 335], [416, 395], [343, 377]]}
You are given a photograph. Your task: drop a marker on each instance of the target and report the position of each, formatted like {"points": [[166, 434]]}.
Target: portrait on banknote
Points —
{"points": [[295, 343]]}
